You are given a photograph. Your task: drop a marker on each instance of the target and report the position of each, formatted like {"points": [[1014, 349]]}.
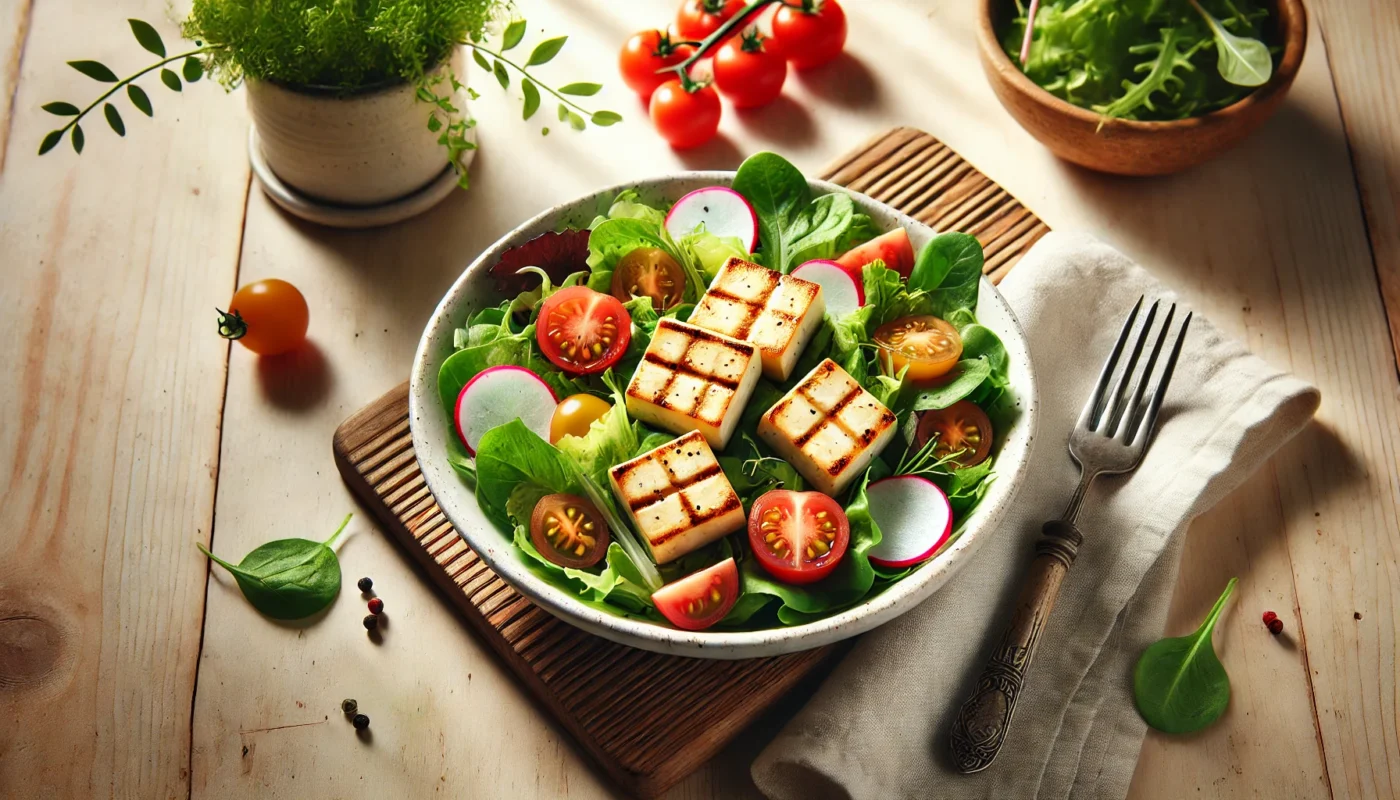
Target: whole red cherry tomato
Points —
{"points": [[812, 35], [645, 53], [700, 18], [747, 73], [685, 117]]}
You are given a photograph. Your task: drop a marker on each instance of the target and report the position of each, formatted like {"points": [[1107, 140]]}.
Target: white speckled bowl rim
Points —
{"points": [[430, 429]]}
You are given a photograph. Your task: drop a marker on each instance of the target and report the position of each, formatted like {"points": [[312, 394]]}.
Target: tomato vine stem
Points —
{"points": [[721, 33]]}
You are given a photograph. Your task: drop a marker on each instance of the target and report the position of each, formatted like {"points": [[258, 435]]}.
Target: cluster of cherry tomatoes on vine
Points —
{"points": [[747, 68]]}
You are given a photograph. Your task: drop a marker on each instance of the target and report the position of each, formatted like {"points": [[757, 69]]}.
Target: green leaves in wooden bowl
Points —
{"points": [[1179, 684], [288, 578]]}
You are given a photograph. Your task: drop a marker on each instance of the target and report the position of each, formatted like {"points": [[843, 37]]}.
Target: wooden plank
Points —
{"points": [[14, 22], [1362, 39], [113, 386]]}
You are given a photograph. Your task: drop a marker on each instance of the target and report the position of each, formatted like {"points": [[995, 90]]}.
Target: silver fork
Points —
{"points": [[1111, 437]]}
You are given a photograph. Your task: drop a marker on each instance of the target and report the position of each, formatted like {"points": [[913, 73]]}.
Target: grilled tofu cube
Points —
{"points": [[779, 313], [677, 497], [692, 379], [828, 427]]}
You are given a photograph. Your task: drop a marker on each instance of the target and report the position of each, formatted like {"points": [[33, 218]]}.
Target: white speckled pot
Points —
{"points": [[431, 429], [365, 148]]}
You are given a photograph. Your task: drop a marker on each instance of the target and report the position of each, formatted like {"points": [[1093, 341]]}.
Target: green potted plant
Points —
{"points": [[354, 104]]}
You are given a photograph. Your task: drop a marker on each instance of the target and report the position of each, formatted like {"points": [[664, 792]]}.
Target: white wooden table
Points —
{"points": [[129, 431]]}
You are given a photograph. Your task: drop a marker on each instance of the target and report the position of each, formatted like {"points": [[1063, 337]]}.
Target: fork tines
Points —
{"points": [[1131, 422]]}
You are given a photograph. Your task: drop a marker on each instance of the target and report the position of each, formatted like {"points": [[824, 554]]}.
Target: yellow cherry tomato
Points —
{"points": [[929, 346], [268, 317], [573, 416]]}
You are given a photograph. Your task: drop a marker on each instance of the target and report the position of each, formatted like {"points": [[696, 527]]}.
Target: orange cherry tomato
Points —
{"points": [[649, 272], [963, 426], [575, 415], [700, 18], [645, 53], [268, 317], [685, 118], [927, 345], [568, 530], [582, 331], [698, 601], [747, 72]]}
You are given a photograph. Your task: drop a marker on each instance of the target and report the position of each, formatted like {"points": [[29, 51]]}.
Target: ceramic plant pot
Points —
{"points": [[366, 149]]}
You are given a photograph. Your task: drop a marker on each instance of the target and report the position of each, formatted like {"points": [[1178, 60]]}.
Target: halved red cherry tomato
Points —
{"points": [[798, 537], [700, 18], [685, 118], [582, 331], [568, 530], [811, 35], [645, 53], [927, 345], [575, 415], [649, 272], [963, 426], [701, 599], [747, 72]]}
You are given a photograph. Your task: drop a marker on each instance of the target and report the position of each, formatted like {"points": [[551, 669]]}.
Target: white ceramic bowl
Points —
{"points": [[431, 429]]}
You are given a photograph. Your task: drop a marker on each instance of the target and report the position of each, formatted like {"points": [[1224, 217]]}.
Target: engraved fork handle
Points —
{"points": [[981, 724]]}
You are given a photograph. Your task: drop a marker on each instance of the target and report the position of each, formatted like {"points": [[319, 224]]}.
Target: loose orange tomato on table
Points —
{"points": [[269, 317]]}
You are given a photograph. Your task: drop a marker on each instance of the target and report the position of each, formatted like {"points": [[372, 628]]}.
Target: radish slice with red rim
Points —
{"points": [[718, 210], [842, 292], [914, 516], [497, 396]]}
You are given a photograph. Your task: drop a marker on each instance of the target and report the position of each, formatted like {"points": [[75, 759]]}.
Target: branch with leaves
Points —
{"points": [[147, 37], [495, 63]]}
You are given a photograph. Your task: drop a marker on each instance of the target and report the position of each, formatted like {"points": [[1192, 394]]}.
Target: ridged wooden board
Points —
{"points": [[657, 717]]}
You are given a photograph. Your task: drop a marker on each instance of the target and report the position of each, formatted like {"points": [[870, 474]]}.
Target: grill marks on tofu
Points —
{"points": [[828, 427], [778, 313], [693, 379], [678, 497]]}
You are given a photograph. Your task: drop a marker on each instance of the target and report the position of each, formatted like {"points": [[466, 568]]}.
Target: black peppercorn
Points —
{"points": [[349, 706], [360, 722], [365, 584], [371, 622]]}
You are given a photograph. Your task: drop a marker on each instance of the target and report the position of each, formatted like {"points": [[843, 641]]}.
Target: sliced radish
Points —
{"points": [[497, 396], [842, 291], [914, 516], [720, 210]]}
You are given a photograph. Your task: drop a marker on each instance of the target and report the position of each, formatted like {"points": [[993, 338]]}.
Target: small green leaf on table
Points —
{"points": [[140, 99], [515, 31], [481, 60], [193, 69], [78, 139], [502, 77], [288, 579], [170, 79], [147, 37], [546, 50], [1179, 684], [61, 109], [113, 118], [51, 140], [606, 118], [581, 89], [95, 70], [532, 98]]}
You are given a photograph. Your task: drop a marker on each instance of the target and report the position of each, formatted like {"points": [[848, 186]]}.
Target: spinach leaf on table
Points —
{"points": [[1179, 684], [288, 578]]}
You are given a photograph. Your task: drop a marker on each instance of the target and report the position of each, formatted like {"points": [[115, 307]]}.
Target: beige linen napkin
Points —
{"points": [[878, 727]]}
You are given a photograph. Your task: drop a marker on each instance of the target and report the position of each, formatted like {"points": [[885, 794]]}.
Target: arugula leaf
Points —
{"points": [[288, 578], [1242, 60]]}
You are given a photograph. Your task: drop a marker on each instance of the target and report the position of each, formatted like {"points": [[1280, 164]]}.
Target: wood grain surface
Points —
{"points": [[122, 440]]}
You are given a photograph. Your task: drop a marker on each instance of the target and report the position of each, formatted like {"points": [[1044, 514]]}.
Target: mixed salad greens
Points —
{"points": [[584, 307], [1143, 59]]}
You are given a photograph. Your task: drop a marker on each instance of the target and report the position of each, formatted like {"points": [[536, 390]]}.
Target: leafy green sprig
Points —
{"points": [[494, 62], [147, 37]]}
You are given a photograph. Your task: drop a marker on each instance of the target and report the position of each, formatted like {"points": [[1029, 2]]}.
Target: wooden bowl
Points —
{"points": [[1130, 147]]}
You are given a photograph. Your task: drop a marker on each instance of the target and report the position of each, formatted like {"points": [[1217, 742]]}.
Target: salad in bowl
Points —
{"points": [[724, 414]]}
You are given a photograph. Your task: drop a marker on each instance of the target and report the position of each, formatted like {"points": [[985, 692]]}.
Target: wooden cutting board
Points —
{"points": [[657, 717]]}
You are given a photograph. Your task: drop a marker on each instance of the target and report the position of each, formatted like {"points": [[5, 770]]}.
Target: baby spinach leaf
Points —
{"points": [[969, 374], [510, 455], [1179, 683], [792, 227], [947, 255], [288, 578], [1242, 60]]}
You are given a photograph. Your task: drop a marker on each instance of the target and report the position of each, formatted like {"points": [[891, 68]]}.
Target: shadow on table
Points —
{"points": [[298, 380]]}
